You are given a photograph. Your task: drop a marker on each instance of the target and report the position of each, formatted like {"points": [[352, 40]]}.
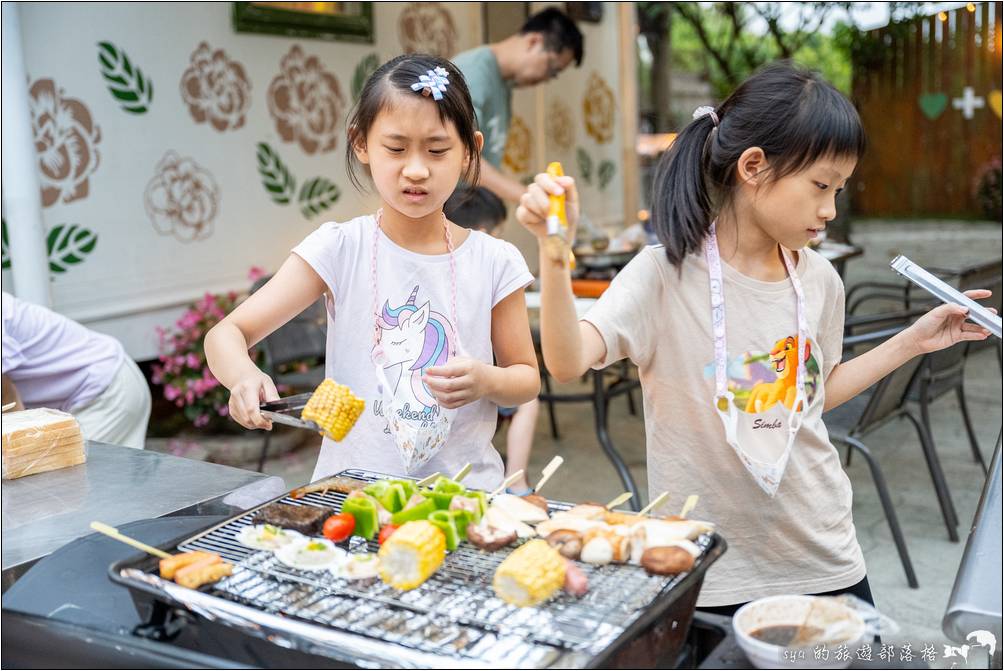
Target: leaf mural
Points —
{"points": [[605, 173], [366, 67], [275, 177], [127, 84], [585, 162], [6, 244], [317, 195], [67, 245]]}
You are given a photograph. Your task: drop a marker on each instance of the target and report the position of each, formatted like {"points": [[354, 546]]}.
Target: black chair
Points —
{"points": [[294, 354], [884, 402], [943, 372]]}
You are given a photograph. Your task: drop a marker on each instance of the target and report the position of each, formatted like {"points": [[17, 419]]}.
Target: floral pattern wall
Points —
{"points": [[174, 153]]}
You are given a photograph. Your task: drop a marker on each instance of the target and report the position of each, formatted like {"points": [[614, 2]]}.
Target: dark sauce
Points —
{"points": [[784, 634]]}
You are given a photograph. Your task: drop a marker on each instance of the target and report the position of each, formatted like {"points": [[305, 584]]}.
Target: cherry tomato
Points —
{"points": [[339, 527], [385, 533]]}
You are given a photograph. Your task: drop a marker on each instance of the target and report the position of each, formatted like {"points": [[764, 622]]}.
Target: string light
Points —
{"points": [[942, 16], [970, 7]]}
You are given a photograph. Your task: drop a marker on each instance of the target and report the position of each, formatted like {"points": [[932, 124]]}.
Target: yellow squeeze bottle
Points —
{"points": [[558, 244], [557, 220]]}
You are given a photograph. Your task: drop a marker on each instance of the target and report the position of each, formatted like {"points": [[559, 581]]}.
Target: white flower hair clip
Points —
{"points": [[433, 83], [704, 110]]}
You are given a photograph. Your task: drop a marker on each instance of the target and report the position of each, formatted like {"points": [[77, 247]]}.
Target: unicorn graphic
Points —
{"points": [[414, 338]]}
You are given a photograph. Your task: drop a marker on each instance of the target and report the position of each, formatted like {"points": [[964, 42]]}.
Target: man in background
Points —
{"points": [[546, 44]]}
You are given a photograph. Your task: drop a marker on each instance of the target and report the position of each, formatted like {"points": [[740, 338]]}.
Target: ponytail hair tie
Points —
{"points": [[704, 110]]}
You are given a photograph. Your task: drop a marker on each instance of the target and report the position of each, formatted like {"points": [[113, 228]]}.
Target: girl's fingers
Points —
{"points": [[251, 403], [535, 201], [975, 335], [548, 184], [445, 385], [270, 392], [979, 293]]}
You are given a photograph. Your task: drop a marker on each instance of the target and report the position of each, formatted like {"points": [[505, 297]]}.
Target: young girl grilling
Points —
{"points": [[736, 329], [417, 305]]}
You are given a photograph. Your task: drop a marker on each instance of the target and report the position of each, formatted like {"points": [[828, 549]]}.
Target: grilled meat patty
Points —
{"points": [[308, 520]]}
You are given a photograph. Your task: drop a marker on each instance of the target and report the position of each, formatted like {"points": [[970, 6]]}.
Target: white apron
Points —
{"points": [[764, 454]]}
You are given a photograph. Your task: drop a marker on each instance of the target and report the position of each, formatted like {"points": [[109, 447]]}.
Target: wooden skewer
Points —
{"points": [[548, 472], [508, 481], [9, 406], [658, 501], [462, 473], [112, 532], [626, 496], [689, 505], [428, 480]]}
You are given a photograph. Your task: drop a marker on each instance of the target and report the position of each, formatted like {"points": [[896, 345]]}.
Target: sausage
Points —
{"points": [[489, 538], [667, 560], [172, 564], [537, 500], [567, 542], [576, 581]]}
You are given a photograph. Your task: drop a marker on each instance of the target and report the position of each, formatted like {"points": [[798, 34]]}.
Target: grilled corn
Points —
{"points": [[334, 408], [530, 575], [412, 554]]}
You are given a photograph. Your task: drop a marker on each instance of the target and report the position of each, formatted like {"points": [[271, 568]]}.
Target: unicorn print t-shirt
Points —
{"points": [[415, 318]]}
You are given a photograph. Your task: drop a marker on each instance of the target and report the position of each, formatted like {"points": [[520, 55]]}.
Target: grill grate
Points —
{"points": [[455, 612]]}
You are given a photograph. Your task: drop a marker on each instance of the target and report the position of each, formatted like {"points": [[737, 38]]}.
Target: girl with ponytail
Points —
{"points": [[736, 328]]}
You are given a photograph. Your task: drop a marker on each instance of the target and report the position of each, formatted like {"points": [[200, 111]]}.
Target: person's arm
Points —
{"points": [[571, 347], [9, 393], [503, 186], [940, 328], [293, 288], [512, 381]]}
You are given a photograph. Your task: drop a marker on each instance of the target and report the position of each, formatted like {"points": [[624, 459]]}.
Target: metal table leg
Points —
{"points": [[600, 402]]}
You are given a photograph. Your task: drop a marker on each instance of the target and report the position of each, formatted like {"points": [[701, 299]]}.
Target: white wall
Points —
{"points": [[136, 277]]}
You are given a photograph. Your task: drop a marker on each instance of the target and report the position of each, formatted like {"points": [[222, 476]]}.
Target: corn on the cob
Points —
{"points": [[412, 554], [334, 408], [530, 575]]}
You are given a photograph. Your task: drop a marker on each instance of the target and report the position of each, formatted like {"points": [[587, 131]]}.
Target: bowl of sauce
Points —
{"points": [[787, 631]]}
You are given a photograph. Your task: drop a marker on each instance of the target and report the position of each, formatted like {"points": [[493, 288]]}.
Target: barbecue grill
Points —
{"points": [[453, 620]]}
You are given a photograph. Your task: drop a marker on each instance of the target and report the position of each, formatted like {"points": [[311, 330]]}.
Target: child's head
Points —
{"points": [[476, 208], [784, 144], [415, 147]]}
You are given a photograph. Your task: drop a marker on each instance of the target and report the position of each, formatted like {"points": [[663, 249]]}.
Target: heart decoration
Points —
{"points": [[994, 98], [933, 104]]}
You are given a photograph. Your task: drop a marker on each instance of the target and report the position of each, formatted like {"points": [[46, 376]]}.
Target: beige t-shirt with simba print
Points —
{"points": [[802, 540]]}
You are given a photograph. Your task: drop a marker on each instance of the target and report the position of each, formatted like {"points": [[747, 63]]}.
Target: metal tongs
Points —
{"points": [[287, 411]]}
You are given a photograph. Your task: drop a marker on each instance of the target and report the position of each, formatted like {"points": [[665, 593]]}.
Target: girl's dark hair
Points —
{"points": [[397, 75], [475, 208], [794, 115]]}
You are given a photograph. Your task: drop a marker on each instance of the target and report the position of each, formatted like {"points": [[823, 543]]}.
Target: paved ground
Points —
{"points": [[919, 611]]}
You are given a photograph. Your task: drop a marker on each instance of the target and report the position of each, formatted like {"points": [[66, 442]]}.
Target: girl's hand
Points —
{"points": [[247, 395], [946, 325], [458, 382], [533, 206]]}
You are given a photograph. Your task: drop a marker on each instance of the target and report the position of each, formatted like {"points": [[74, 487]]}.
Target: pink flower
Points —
{"points": [[193, 361], [224, 411], [171, 392], [255, 274], [201, 420]]}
